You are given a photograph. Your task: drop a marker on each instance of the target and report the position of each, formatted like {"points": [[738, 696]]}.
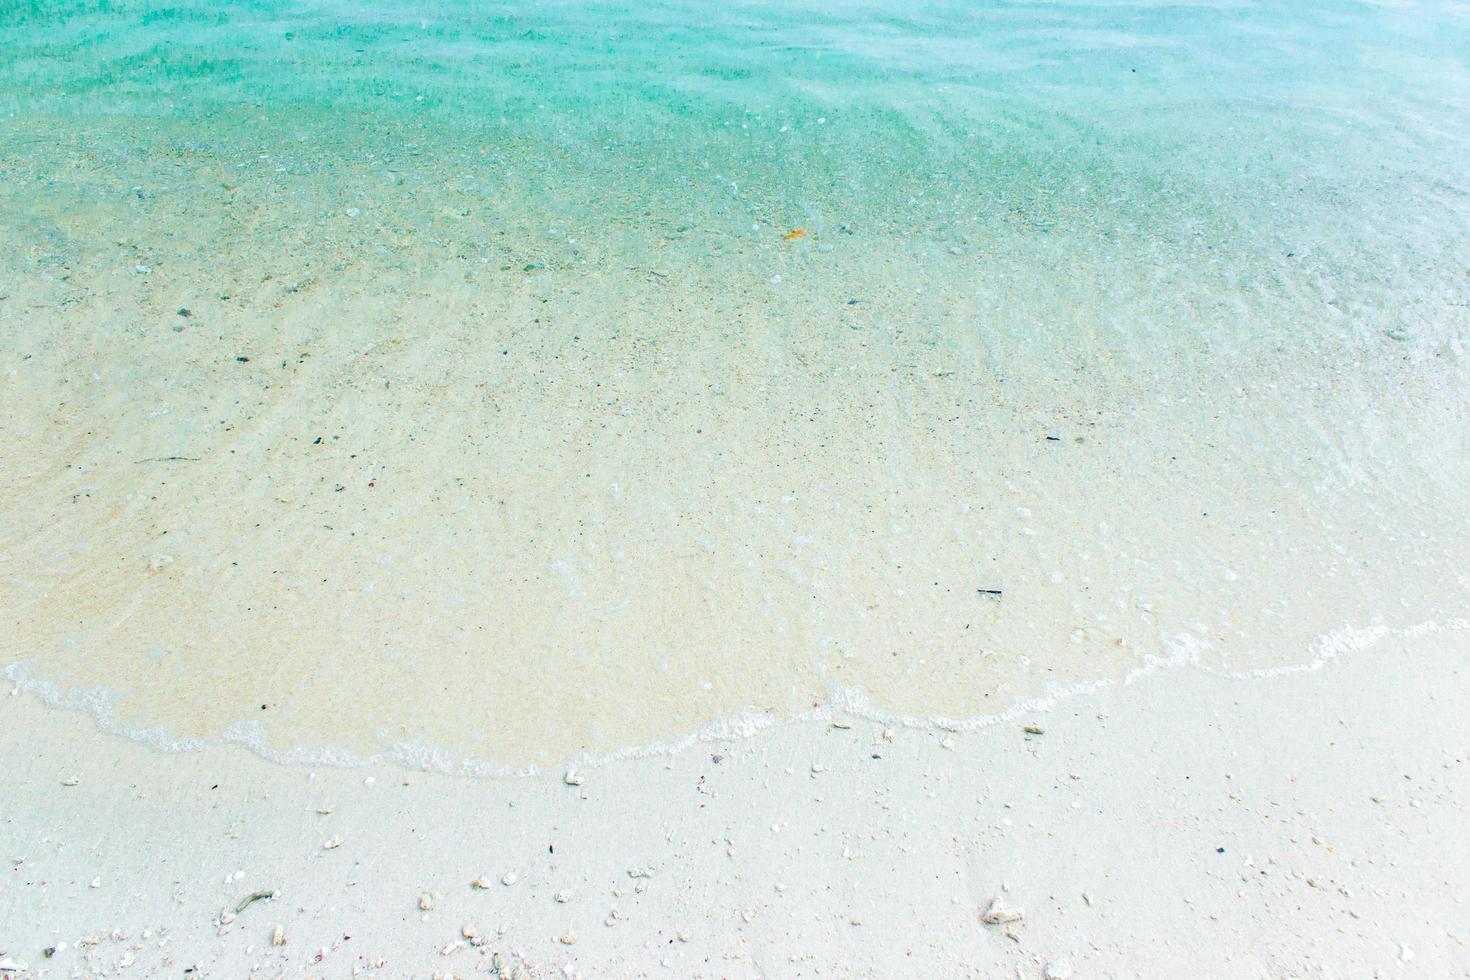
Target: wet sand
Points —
{"points": [[1186, 824]]}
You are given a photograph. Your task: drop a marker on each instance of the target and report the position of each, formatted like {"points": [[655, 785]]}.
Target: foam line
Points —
{"points": [[1185, 651]]}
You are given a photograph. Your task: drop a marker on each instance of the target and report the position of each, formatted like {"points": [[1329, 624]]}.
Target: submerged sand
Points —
{"points": [[407, 383], [540, 515], [332, 487]]}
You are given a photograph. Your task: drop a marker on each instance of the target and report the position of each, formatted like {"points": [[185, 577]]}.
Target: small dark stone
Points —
{"points": [[242, 359], [184, 311]]}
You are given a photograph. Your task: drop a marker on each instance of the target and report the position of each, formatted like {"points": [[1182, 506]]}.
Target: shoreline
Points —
{"points": [[839, 706], [804, 850]]}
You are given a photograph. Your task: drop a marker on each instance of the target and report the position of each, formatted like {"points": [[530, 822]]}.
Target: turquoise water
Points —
{"points": [[1233, 120], [703, 360], [1284, 143]]}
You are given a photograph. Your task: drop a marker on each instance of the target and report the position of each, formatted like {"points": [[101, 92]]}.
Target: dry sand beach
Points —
{"points": [[1304, 825], [934, 490]]}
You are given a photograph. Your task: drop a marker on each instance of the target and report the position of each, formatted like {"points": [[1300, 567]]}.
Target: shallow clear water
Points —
{"points": [[563, 379]]}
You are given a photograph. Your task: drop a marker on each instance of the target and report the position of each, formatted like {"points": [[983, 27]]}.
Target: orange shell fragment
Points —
{"points": [[794, 234]]}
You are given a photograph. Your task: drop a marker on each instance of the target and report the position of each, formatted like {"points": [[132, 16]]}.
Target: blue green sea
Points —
{"points": [[487, 385]]}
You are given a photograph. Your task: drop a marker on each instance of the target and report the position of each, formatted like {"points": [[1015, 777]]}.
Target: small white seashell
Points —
{"points": [[998, 913]]}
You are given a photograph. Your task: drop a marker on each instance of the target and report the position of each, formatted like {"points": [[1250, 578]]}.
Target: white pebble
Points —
{"points": [[1057, 970]]}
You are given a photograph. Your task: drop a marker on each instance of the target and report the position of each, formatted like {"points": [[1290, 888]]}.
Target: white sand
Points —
{"points": [[506, 387], [1339, 797]]}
